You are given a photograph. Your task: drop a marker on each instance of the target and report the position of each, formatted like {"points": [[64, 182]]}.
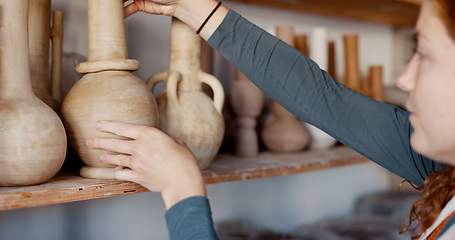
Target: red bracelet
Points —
{"points": [[207, 19]]}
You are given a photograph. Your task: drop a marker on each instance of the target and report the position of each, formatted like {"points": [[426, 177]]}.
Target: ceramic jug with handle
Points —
{"points": [[186, 112]]}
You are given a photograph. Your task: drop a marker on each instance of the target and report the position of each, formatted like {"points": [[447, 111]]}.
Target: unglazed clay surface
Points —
{"points": [[186, 112], [32, 137], [109, 95], [109, 91]]}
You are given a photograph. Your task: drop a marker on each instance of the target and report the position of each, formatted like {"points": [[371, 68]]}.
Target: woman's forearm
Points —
{"points": [[195, 12]]}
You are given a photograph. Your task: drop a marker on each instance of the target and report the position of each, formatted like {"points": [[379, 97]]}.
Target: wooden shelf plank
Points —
{"points": [[64, 188], [392, 12], [226, 168]]}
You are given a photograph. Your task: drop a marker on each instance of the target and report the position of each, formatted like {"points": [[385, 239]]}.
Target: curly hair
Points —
{"points": [[437, 190], [439, 187]]}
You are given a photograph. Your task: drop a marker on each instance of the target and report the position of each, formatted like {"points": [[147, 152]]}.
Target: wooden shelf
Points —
{"points": [[392, 12], [67, 187]]}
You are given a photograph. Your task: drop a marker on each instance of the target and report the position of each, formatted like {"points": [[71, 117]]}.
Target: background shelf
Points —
{"points": [[392, 12]]}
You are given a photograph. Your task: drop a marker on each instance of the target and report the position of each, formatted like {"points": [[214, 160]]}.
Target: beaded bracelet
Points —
{"points": [[207, 19]]}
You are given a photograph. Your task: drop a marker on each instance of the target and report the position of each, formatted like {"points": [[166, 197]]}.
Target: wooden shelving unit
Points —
{"points": [[391, 12], [67, 187]]}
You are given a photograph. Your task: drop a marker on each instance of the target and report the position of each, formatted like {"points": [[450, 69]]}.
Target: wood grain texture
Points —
{"points": [[226, 168], [392, 12]]}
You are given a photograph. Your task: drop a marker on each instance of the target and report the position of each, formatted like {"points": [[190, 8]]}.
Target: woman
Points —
{"points": [[418, 145]]}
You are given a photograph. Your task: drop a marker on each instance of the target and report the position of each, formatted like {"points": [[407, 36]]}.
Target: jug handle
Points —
{"points": [[217, 88], [171, 87], [155, 79], [57, 55]]}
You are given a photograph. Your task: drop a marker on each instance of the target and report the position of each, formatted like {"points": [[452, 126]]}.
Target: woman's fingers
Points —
{"points": [[117, 159], [148, 6], [111, 144], [130, 9], [125, 174], [121, 129]]}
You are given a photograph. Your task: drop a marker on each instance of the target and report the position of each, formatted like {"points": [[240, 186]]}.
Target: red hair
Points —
{"points": [[437, 190]]}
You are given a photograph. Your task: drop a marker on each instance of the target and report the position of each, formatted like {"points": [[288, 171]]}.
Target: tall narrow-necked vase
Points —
{"points": [[186, 112], [108, 90], [351, 55], [32, 137], [40, 34]]}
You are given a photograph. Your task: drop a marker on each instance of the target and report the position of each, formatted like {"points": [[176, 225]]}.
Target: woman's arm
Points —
{"points": [[379, 131]]}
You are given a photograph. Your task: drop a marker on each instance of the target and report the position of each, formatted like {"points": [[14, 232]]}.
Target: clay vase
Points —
{"points": [[40, 34], [351, 53], [301, 44], [284, 133], [108, 90], [331, 65], [318, 47], [186, 112], [377, 86], [206, 57], [247, 102], [32, 137]]}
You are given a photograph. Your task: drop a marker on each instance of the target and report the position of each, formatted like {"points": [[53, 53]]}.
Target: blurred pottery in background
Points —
{"points": [[377, 87], [32, 136], [108, 91], [319, 139], [186, 112], [351, 55], [40, 34], [247, 101]]}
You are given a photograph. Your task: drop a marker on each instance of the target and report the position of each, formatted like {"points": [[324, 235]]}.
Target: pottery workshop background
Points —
{"points": [[281, 204]]}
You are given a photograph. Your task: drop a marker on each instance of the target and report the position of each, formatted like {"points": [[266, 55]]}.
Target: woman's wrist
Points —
{"points": [[195, 12], [194, 186]]}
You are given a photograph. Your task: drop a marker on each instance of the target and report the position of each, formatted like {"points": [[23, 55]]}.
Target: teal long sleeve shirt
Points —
{"points": [[378, 131]]}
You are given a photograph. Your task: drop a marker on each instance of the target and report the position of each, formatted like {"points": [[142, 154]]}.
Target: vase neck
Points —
{"points": [[39, 20], [185, 50], [106, 30], [14, 65]]}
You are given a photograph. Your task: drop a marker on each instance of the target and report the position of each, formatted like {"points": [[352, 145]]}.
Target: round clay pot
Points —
{"points": [[108, 91]]}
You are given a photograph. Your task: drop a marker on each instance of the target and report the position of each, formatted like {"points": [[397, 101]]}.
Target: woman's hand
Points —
{"points": [[191, 12], [151, 158], [160, 7]]}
